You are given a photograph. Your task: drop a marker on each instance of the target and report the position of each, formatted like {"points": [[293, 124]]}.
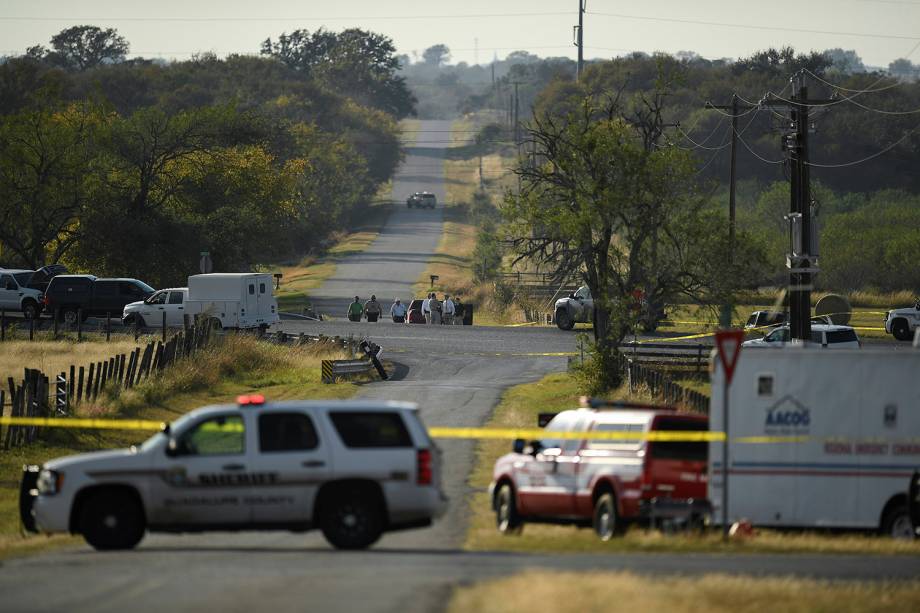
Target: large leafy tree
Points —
{"points": [[602, 202], [83, 47], [47, 181], [360, 64]]}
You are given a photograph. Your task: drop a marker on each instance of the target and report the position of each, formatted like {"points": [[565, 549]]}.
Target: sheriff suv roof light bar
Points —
{"points": [[590, 402], [250, 400]]}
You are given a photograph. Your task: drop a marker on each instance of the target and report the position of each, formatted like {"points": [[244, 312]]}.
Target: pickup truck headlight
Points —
{"points": [[49, 482]]}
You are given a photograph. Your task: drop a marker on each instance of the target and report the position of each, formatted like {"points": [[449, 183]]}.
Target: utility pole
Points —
{"points": [[517, 110], [579, 38], [802, 259], [725, 319]]}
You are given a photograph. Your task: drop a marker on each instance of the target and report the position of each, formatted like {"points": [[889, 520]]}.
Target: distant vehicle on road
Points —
{"points": [[846, 424], [414, 314], [606, 484], [825, 335], [422, 200], [352, 469], [902, 323], [69, 295], [149, 312]]}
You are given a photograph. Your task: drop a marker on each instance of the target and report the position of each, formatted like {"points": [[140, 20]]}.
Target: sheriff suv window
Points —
{"points": [[371, 429], [279, 432], [221, 435]]}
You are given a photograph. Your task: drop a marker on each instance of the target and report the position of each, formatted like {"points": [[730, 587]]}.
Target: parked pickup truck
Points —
{"points": [[903, 323], [606, 484], [16, 295], [149, 312], [69, 296]]}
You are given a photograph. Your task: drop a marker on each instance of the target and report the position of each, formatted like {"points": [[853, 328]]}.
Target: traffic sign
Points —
{"points": [[728, 343]]}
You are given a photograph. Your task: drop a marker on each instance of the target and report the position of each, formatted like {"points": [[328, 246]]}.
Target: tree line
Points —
{"points": [[131, 167]]}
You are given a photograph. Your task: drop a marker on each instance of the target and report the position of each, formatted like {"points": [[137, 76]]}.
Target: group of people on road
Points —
{"points": [[438, 311], [434, 310]]}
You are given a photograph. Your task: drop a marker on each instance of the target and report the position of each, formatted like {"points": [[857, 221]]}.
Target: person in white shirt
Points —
{"points": [[447, 311], [426, 308], [398, 312]]}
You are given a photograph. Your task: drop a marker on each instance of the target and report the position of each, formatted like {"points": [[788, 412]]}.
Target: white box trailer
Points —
{"points": [[236, 300], [859, 411]]}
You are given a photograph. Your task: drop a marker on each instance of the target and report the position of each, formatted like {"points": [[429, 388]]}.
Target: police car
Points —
{"points": [[353, 469]]}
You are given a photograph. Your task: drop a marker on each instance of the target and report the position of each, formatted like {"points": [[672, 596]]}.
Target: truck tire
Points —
{"points": [[70, 316], [30, 309], [112, 520], [900, 329], [564, 321], [605, 521], [351, 518], [507, 519], [896, 523]]}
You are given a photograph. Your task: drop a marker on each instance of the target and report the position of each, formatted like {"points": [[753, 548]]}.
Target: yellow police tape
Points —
{"points": [[436, 432]]}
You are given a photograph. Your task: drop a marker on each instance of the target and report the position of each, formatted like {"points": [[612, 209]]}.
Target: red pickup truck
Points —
{"points": [[603, 483]]}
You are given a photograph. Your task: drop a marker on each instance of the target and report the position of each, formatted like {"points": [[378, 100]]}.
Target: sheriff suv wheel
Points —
{"points": [[352, 518], [563, 320], [111, 520], [507, 519]]}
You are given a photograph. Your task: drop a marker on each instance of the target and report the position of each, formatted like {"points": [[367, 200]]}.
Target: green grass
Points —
{"points": [[626, 591], [519, 408], [238, 365]]}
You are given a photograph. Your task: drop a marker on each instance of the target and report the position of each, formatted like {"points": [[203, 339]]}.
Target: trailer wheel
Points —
{"points": [[897, 524]]}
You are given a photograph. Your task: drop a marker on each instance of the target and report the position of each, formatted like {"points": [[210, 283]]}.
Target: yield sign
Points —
{"points": [[728, 343]]}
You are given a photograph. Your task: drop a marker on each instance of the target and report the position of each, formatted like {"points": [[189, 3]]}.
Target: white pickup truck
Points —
{"points": [[903, 323], [353, 469], [226, 300]]}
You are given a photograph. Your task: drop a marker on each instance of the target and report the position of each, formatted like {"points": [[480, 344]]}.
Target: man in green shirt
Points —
{"points": [[355, 310]]}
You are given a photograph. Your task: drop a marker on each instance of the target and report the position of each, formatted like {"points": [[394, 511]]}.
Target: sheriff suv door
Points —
{"points": [[206, 477], [295, 459]]}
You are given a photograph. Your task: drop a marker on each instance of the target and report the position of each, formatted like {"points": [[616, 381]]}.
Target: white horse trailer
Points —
{"points": [[236, 300], [856, 415]]}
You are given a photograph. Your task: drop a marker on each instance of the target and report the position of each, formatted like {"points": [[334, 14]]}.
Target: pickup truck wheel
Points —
{"points": [[605, 522], [507, 519], [351, 519], [112, 520], [897, 523], [70, 316], [901, 330], [564, 321], [30, 309]]}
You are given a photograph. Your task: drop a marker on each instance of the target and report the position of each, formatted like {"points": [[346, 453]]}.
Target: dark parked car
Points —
{"points": [[66, 295], [414, 315]]}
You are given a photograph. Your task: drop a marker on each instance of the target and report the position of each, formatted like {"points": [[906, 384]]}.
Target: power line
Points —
{"points": [[755, 27], [854, 91], [288, 19], [870, 157]]}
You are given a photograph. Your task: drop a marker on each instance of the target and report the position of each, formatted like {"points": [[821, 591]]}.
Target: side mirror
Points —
{"points": [[572, 295], [11, 286], [535, 448], [518, 445], [172, 448]]}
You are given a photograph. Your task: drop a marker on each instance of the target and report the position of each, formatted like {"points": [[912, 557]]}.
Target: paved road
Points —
{"points": [[397, 258]]}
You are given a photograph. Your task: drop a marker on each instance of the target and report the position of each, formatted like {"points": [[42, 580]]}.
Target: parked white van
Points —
{"points": [[850, 421], [233, 300]]}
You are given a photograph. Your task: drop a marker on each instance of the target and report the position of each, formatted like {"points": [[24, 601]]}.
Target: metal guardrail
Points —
{"points": [[334, 369]]}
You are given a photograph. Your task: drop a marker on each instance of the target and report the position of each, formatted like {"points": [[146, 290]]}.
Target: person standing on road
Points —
{"points": [[398, 312], [435, 306], [426, 308], [447, 311], [355, 310], [372, 309]]}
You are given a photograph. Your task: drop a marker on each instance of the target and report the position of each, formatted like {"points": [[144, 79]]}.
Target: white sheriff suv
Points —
{"points": [[903, 323], [353, 469]]}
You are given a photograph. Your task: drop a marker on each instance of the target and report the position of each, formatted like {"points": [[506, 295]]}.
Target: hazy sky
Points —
{"points": [[879, 30]]}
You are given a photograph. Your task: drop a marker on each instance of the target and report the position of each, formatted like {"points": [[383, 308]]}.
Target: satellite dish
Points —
{"points": [[836, 307]]}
